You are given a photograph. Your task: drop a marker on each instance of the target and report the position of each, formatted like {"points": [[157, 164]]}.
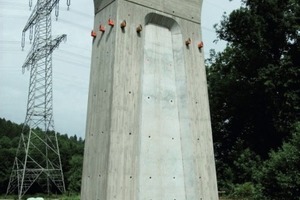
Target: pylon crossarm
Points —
{"points": [[38, 12], [33, 56], [29, 60], [32, 19], [57, 41], [53, 5]]}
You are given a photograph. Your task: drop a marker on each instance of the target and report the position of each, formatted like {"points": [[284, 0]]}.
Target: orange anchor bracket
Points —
{"points": [[188, 42], [93, 34], [111, 22], [139, 28], [200, 45], [102, 28], [123, 24]]}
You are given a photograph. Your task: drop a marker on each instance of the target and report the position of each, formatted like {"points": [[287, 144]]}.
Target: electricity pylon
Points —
{"points": [[37, 164]]}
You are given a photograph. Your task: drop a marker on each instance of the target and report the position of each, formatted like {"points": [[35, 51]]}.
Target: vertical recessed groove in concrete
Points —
{"points": [[159, 80], [183, 112]]}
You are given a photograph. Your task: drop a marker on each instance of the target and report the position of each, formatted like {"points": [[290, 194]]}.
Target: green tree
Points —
{"points": [[6, 157], [71, 150], [255, 81], [254, 84], [75, 173], [280, 176], [8, 145]]}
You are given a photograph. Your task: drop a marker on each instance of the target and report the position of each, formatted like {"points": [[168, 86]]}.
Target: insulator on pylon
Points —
{"points": [[68, 4], [31, 34], [56, 11], [30, 4], [23, 41]]}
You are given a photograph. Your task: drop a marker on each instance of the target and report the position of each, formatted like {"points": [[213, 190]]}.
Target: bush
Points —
{"points": [[280, 176], [244, 191]]}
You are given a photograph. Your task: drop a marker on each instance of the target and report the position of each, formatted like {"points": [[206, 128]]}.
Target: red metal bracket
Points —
{"points": [[200, 45], [93, 34], [111, 22], [101, 28]]}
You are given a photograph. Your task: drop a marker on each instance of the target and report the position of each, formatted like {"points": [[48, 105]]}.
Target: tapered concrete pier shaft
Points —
{"points": [[148, 133]]}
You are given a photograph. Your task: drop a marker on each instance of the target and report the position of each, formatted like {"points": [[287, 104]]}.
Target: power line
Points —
{"points": [[18, 42]]}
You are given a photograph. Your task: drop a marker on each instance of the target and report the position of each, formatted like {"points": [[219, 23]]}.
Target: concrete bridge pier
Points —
{"points": [[148, 134]]}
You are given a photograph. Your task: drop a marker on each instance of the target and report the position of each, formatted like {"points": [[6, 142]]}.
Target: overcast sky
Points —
{"points": [[71, 61]]}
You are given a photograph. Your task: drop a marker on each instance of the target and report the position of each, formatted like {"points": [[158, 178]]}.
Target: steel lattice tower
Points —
{"points": [[37, 160]]}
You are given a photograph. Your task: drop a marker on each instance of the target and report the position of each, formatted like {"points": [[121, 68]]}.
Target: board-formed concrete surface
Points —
{"points": [[148, 133]]}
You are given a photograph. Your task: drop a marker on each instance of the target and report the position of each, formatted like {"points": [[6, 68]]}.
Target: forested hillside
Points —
{"points": [[71, 151], [254, 88]]}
